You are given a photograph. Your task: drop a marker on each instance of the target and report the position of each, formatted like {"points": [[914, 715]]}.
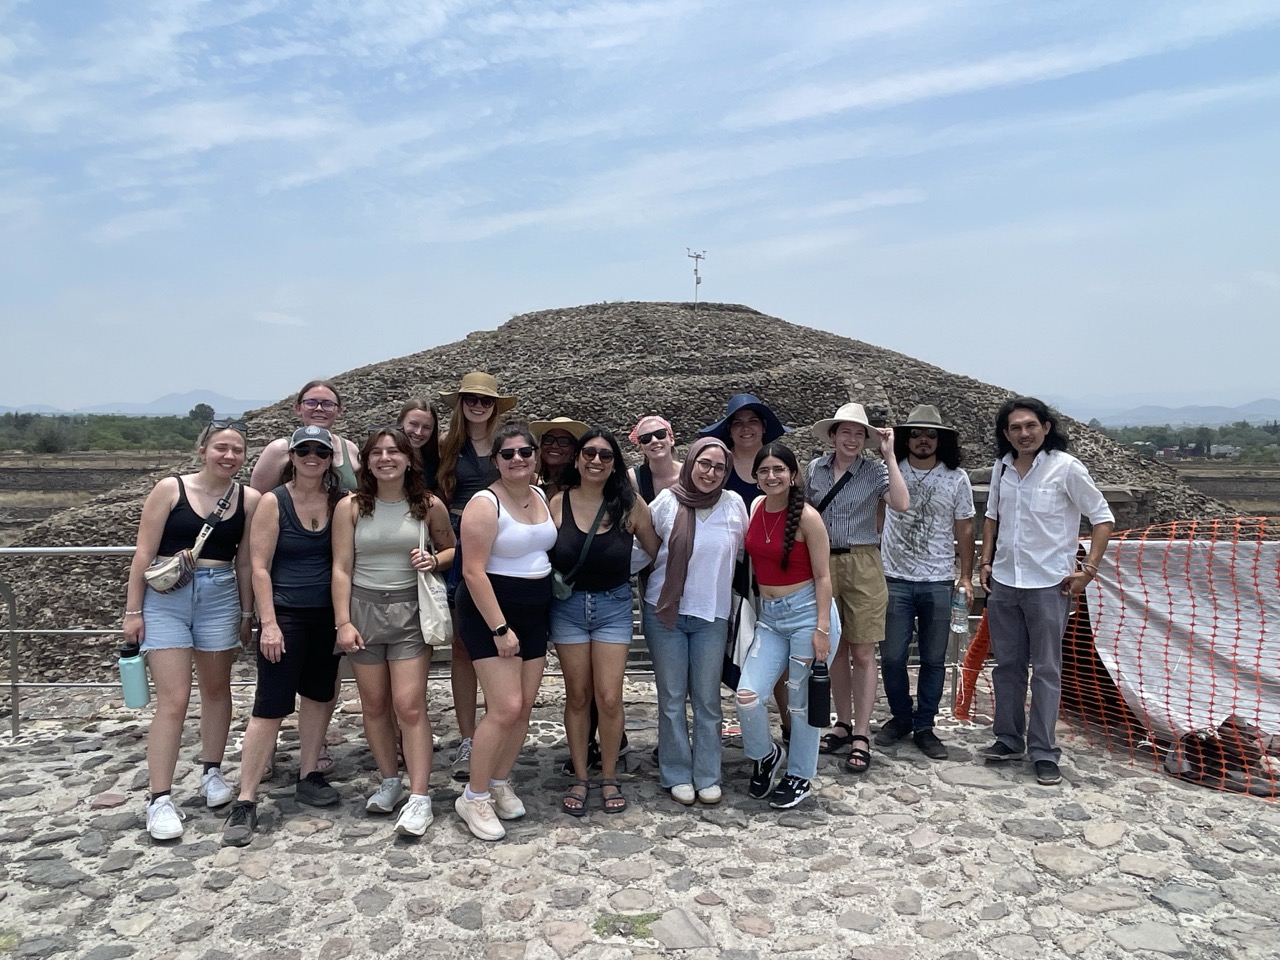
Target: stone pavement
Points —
{"points": [[919, 859]]}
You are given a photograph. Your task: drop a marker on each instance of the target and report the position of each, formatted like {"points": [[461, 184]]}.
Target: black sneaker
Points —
{"points": [[893, 731], [242, 821], [789, 793], [765, 773], [1047, 773], [930, 745], [314, 791], [999, 751]]}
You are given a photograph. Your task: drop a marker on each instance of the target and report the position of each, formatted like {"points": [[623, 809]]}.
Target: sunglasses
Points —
{"points": [[510, 453], [478, 400], [603, 454], [313, 404], [655, 435], [711, 467], [239, 426], [918, 432], [313, 450], [558, 442]]}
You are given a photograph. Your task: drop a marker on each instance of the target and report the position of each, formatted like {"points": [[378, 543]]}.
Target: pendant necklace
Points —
{"points": [[764, 523]]}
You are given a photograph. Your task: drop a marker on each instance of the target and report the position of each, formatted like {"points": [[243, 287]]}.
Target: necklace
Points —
{"points": [[919, 477], [764, 523]]}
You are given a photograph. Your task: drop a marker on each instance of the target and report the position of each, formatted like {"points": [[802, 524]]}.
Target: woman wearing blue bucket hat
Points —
{"points": [[747, 426]]}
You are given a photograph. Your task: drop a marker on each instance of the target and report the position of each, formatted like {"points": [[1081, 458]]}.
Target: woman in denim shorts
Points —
{"points": [[204, 622], [376, 561], [592, 627]]}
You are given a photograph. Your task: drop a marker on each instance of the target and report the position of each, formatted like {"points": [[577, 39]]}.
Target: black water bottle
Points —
{"points": [[819, 696]]}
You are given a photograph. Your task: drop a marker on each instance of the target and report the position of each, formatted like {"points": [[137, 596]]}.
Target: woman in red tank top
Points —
{"points": [[790, 552]]}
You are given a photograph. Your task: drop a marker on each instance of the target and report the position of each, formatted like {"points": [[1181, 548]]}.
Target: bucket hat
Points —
{"points": [[848, 413], [483, 384], [773, 427]]}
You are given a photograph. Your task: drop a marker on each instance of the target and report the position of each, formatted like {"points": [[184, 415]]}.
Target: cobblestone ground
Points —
{"points": [[919, 859]]}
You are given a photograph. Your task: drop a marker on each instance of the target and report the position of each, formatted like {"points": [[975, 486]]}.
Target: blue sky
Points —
{"points": [[1071, 199]]}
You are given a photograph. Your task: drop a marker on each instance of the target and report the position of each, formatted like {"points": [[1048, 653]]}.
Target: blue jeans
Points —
{"points": [[784, 641], [687, 661], [925, 609]]}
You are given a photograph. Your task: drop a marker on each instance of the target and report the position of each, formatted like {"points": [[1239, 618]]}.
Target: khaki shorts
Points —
{"points": [[860, 593], [388, 624]]}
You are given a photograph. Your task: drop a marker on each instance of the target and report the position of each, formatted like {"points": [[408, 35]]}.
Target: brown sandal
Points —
{"points": [[615, 802], [573, 804]]}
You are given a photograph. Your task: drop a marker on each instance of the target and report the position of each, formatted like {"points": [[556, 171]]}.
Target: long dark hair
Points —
{"points": [[795, 494], [1055, 439], [429, 451], [619, 498], [415, 488], [948, 450]]}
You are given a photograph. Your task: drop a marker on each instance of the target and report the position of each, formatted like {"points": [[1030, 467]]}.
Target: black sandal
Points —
{"points": [[833, 741], [615, 802], [571, 803], [857, 754]]}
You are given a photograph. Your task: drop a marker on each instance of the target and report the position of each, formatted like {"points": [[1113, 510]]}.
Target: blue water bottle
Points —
{"points": [[133, 677]]}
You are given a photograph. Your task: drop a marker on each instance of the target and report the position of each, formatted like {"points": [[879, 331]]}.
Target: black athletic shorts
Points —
{"points": [[308, 666], [526, 606]]}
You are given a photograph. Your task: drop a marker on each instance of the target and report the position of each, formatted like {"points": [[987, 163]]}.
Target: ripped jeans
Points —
{"points": [[784, 641]]}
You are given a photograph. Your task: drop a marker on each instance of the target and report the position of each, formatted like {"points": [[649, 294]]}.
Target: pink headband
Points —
{"points": [[634, 435]]}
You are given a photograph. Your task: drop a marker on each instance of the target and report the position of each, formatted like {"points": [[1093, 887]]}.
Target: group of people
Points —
{"points": [[539, 531]]}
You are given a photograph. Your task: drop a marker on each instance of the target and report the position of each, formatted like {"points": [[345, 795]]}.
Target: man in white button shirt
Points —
{"points": [[1030, 536]]}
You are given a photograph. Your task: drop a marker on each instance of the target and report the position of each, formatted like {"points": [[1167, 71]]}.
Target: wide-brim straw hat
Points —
{"points": [[773, 427], [483, 384], [848, 413], [925, 415], [567, 424]]}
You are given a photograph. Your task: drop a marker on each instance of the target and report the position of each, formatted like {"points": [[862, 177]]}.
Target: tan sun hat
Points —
{"points": [[926, 415], [567, 424], [483, 384], [848, 413]]}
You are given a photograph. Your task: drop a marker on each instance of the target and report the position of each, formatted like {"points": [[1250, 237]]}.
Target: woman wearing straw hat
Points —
{"points": [[466, 468], [556, 439], [847, 489]]}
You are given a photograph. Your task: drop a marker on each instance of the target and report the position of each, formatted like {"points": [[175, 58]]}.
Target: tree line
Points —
{"points": [[1258, 443], [75, 432]]}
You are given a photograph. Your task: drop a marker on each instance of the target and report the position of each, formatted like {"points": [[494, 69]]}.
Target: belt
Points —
{"points": [[837, 551]]}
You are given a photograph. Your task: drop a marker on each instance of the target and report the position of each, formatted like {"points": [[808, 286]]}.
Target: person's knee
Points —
{"points": [[506, 708], [748, 698], [409, 710], [376, 706], [577, 697], [609, 702]]}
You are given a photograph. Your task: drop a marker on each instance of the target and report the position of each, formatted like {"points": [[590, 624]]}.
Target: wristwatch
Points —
{"points": [[501, 631]]}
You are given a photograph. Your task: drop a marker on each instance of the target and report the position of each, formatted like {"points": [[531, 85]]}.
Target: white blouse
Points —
{"points": [[717, 545]]}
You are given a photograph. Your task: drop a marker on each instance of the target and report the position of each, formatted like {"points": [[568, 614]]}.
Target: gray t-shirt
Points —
{"points": [[919, 545]]}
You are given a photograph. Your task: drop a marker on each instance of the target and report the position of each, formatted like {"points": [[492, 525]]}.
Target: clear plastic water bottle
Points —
{"points": [[959, 611], [133, 677]]}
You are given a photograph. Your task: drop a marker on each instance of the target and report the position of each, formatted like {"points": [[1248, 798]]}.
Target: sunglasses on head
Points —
{"points": [[917, 432], [313, 450], [510, 453], [478, 400], [311, 403], [603, 454], [653, 435], [239, 426], [558, 441]]}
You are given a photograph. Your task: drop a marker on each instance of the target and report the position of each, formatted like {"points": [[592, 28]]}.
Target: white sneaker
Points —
{"points": [[164, 820], [683, 793], [217, 792], [460, 769], [480, 818], [505, 802], [387, 797], [710, 795], [415, 817]]}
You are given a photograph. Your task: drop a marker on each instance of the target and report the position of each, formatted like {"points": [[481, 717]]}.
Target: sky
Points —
{"points": [[1071, 199]]}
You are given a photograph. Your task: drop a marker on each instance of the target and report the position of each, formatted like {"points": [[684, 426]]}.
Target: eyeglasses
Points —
{"points": [[918, 432], [478, 400], [313, 450], [311, 403], [777, 471], [711, 466], [603, 454], [239, 426], [655, 435], [558, 442], [510, 453]]}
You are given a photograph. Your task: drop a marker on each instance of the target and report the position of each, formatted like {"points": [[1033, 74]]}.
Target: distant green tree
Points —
{"points": [[201, 413], [50, 437]]}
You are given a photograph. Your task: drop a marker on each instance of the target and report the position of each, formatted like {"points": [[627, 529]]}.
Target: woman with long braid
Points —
{"points": [[789, 549]]}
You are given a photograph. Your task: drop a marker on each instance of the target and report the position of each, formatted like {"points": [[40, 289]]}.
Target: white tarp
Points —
{"points": [[1190, 631]]}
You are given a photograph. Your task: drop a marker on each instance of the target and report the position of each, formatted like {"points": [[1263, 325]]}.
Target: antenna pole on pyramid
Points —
{"points": [[697, 259]]}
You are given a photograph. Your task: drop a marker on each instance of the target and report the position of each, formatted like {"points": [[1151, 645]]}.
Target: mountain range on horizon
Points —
{"points": [[1266, 410]]}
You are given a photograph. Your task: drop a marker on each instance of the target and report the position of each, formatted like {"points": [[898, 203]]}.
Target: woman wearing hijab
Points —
{"points": [[686, 615]]}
